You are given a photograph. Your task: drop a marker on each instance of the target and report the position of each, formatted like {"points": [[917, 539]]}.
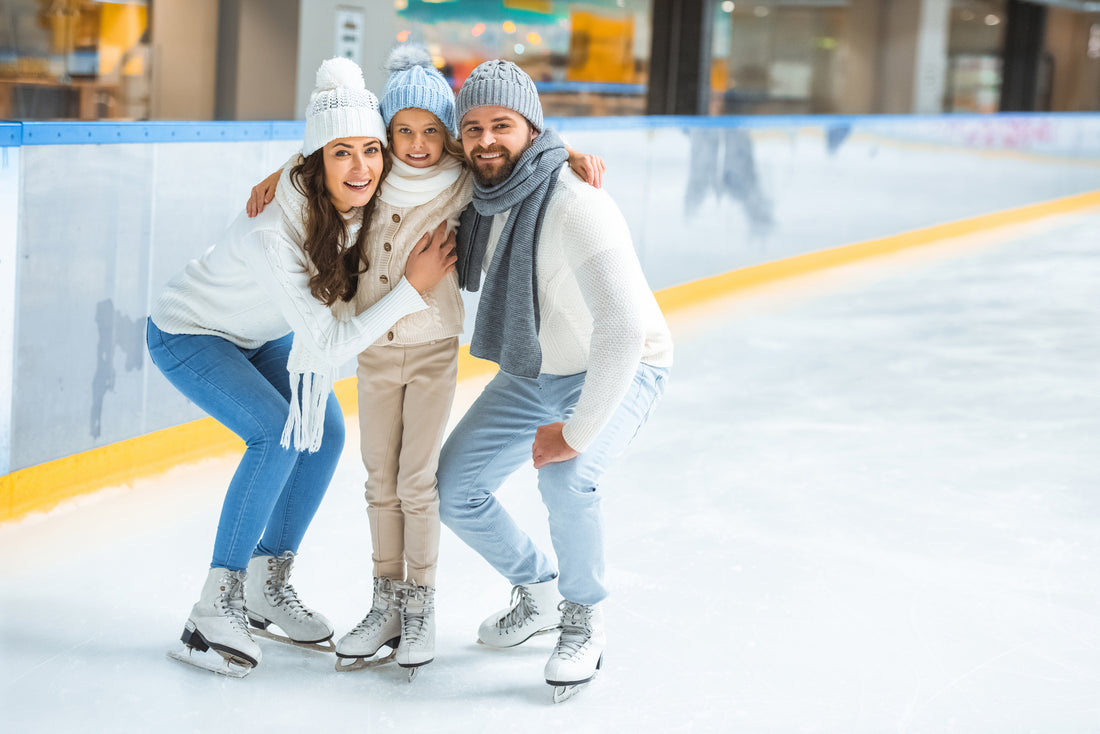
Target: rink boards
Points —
{"points": [[95, 218]]}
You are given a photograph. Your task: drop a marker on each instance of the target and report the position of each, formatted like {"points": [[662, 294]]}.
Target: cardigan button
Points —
{"points": [[397, 217], [384, 279], [390, 336], [387, 247]]}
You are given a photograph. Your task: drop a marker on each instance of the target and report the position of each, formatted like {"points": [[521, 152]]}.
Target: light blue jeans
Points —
{"points": [[494, 438], [275, 492]]}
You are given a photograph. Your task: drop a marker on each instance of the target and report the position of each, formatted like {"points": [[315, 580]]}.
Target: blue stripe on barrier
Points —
{"points": [[11, 134], [99, 133], [288, 130]]}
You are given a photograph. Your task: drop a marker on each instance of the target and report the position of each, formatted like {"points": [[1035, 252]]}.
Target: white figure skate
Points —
{"points": [[217, 623], [417, 645], [579, 652], [270, 599], [380, 628], [534, 611]]}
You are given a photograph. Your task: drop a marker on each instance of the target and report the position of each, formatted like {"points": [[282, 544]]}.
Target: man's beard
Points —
{"points": [[488, 180]]}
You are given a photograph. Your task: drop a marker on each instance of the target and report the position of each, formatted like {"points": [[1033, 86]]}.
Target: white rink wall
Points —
{"points": [[95, 218]]}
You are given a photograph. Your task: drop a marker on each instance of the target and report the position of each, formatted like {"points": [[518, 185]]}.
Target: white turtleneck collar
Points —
{"points": [[406, 186]]}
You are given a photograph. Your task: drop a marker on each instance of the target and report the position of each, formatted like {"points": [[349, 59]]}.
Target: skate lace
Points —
{"points": [[231, 601], [523, 608], [280, 592], [384, 603], [576, 629], [414, 627]]}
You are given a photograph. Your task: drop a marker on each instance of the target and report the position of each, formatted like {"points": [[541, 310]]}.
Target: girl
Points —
{"points": [[406, 380], [251, 333]]}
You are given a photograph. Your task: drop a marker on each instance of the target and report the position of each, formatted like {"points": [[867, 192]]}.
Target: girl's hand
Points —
{"points": [[431, 259], [588, 166], [262, 194]]}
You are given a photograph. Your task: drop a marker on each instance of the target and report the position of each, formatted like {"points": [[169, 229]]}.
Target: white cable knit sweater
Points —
{"points": [[253, 287], [598, 314]]}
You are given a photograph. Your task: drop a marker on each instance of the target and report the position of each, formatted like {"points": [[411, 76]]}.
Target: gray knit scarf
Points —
{"points": [[506, 330]]}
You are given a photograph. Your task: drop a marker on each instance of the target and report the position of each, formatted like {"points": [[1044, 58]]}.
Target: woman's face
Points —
{"points": [[417, 137], [353, 170]]}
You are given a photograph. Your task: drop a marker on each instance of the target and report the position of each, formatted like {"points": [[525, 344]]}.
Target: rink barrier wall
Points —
{"points": [[714, 205], [39, 488]]}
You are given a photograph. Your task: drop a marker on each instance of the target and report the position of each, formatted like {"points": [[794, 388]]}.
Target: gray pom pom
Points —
{"points": [[408, 55]]}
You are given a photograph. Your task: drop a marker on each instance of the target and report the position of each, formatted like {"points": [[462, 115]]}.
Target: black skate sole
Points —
{"points": [[194, 639], [599, 663], [414, 665]]}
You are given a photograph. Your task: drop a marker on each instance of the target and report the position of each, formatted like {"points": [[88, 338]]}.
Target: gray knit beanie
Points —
{"points": [[341, 107], [500, 83], [414, 82]]}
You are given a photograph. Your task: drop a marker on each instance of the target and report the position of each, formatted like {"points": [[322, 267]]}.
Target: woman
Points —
{"points": [[253, 333]]}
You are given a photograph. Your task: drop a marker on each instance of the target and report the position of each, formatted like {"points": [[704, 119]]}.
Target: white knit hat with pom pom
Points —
{"points": [[341, 106]]}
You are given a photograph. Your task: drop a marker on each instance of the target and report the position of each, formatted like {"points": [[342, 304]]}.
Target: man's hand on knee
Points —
{"points": [[550, 446]]}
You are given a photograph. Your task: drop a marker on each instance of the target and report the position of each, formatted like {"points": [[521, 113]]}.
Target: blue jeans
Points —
{"points": [[494, 438], [275, 492]]}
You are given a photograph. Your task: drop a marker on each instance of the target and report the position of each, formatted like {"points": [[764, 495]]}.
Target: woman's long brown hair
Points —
{"points": [[338, 269]]}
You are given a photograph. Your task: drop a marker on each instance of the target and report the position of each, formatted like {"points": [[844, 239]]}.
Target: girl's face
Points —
{"points": [[417, 137], [353, 170]]}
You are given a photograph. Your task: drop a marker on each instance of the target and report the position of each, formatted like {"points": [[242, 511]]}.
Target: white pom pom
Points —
{"points": [[339, 73], [407, 56]]}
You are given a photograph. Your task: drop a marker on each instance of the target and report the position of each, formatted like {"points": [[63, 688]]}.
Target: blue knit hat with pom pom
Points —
{"points": [[415, 82]]}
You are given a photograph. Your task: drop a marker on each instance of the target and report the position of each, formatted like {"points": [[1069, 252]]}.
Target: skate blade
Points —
{"points": [[211, 661], [359, 663], [414, 668], [564, 693], [322, 646]]}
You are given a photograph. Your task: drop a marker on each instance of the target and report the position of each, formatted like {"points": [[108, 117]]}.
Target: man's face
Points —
{"points": [[493, 139]]}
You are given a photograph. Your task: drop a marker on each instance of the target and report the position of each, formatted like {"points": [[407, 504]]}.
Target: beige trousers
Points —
{"points": [[405, 396]]}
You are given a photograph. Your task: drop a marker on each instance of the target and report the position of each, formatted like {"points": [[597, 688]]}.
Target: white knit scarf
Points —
{"points": [[406, 186], [311, 375]]}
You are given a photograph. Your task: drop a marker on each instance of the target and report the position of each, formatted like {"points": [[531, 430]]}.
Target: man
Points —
{"points": [[584, 355]]}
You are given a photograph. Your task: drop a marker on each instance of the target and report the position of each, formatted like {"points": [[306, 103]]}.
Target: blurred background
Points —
{"points": [[255, 59]]}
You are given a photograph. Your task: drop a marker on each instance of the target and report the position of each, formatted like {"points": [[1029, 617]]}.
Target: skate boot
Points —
{"points": [[381, 627], [533, 611], [417, 645], [579, 651], [270, 599], [217, 622]]}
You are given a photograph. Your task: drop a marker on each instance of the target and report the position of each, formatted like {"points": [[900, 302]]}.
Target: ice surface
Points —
{"points": [[868, 503]]}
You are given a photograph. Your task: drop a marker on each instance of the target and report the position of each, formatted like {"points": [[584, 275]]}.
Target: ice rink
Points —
{"points": [[869, 503]]}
